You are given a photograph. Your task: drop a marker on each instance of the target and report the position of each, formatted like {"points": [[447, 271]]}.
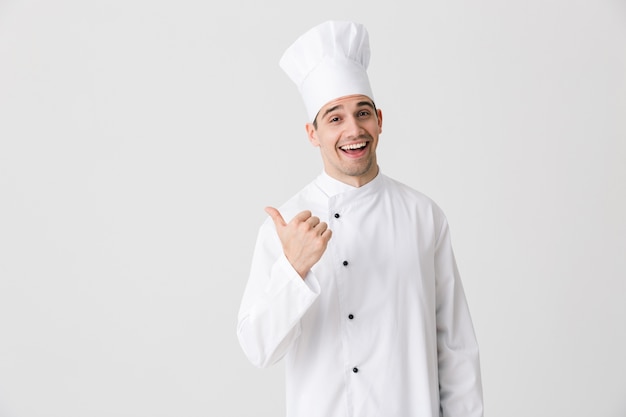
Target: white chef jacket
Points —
{"points": [[380, 326]]}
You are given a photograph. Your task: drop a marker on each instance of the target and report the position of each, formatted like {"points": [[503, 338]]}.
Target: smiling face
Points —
{"points": [[347, 134]]}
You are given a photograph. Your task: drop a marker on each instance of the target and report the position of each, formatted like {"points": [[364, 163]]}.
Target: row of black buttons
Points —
{"points": [[350, 316]]}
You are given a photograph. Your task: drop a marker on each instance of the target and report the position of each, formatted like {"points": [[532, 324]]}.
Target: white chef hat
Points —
{"points": [[327, 62]]}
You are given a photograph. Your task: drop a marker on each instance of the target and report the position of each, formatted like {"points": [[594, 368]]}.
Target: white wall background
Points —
{"points": [[140, 141]]}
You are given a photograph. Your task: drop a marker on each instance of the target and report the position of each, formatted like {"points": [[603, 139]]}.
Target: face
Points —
{"points": [[347, 135]]}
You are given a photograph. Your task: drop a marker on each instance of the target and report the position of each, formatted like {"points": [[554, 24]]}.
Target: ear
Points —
{"points": [[380, 121], [312, 134]]}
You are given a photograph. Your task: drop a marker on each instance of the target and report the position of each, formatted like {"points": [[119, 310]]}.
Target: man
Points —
{"points": [[353, 281]]}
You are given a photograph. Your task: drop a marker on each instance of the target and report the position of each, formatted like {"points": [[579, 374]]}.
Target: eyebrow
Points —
{"points": [[359, 104]]}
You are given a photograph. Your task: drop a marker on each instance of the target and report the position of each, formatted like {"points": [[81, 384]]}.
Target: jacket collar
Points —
{"points": [[332, 187]]}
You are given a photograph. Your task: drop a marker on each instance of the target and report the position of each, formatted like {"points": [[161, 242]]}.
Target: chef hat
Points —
{"points": [[327, 62]]}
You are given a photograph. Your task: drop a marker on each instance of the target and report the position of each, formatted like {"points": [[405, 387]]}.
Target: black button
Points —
{"points": [[355, 369], [350, 316], [345, 263], [337, 215]]}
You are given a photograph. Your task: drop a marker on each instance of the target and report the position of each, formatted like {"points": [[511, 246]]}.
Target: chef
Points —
{"points": [[353, 281]]}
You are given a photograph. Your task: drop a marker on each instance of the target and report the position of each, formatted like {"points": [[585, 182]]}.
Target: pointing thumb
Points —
{"points": [[276, 216]]}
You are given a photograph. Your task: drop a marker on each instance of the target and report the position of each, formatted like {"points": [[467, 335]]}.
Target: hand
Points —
{"points": [[304, 238]]}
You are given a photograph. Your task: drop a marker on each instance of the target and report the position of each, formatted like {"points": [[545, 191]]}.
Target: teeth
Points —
{"points": [[353, 146]]}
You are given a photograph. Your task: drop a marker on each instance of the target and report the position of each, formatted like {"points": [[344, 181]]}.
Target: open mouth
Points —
{"points": [[354, 148]]}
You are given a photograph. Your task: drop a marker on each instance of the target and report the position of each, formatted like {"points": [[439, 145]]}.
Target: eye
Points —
{"points": [[334, 119], [363, 113]]}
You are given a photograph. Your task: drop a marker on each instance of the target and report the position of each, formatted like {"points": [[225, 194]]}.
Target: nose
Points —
{"points": [[353, 127]]}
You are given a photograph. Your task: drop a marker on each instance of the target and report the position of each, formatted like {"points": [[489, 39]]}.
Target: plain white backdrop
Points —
{"points": [[140, 141]]}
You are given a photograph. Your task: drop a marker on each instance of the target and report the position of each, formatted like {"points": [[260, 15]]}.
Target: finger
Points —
{"points": [[321, 228], [313, 221], [302, 216], [276, 216]]}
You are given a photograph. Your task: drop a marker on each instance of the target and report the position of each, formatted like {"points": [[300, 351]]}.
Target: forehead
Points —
{"points": [[347, 102]]}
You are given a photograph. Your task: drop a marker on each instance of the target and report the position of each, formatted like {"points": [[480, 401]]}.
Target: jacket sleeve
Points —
{"points": [[274, 301], [460, 385]]}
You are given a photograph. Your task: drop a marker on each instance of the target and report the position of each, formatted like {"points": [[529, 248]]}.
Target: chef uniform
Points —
{"points": [[379, 327]]}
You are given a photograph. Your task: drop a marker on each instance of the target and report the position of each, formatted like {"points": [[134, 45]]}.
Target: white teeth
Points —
{"points": [[353, 146]]}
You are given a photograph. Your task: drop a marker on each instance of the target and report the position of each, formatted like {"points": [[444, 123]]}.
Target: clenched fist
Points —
{"points": [[304, 238]]}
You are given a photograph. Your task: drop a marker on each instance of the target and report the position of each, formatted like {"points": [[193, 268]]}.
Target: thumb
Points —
{"points": [[276, 217]]}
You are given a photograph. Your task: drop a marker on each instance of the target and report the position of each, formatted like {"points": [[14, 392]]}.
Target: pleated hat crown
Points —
{"points": [[327, 62]]}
